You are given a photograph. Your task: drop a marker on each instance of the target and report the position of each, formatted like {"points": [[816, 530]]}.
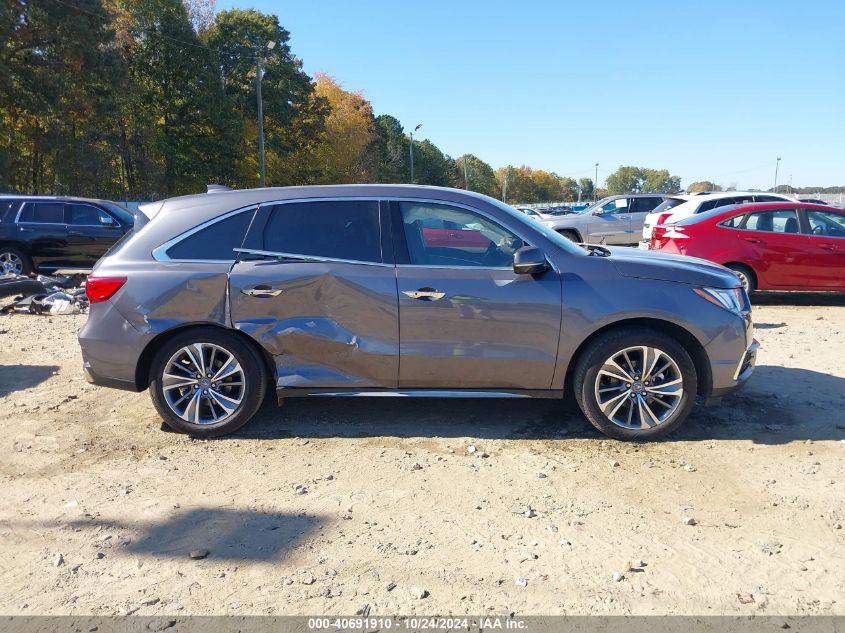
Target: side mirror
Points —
{"points": [[530, 260], [107, 220]]}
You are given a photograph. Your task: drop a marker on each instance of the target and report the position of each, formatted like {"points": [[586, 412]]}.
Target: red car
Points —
{"points": [[770, 246]]}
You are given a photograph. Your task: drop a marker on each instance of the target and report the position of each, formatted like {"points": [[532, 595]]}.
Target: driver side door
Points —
{"points": [[612, 223], [466, 320]]}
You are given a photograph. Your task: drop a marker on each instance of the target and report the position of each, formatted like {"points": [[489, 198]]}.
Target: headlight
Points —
{"points": [[730, 299]]}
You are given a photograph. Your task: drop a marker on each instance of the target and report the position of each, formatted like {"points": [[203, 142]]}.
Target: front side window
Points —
{"points": [[87, 215], [215, 242], [775, 221], [441, 235], [43, 213], [615, 206], [345, 229], [826, 223]]}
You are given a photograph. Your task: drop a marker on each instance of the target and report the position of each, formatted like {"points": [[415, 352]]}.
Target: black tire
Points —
{"points": [[605, 347], [572, 236], [254, 383], [26, 261], [746, 276]]}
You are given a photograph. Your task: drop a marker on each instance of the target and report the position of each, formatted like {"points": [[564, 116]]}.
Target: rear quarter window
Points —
{"points": [[215, 242]]}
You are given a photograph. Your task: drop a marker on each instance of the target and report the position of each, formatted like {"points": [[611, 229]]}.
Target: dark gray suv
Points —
{"points": [[403, 290]]}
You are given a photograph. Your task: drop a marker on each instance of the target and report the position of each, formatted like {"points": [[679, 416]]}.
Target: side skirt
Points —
{"points": [[298, 392]]}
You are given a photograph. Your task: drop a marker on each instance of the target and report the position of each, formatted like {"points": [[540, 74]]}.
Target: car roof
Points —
{"points": [[212, 203], [735, 209]]}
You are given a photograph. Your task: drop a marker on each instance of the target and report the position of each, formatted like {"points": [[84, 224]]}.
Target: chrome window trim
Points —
{"points": [[99, 210], [160, 252], [298, 258]]}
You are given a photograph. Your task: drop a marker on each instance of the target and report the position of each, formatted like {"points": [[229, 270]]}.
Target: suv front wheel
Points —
{"points": [[207, 383], [635, 384]]}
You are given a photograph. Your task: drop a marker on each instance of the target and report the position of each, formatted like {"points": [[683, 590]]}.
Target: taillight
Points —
{"points": [[99, 289]]}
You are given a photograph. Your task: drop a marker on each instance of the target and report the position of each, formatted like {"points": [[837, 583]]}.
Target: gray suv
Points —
{"points": [[403, 290], [612, 220]]}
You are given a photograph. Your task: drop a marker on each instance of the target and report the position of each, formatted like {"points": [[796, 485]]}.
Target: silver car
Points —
{"points": [[613, 220], [215, 299]]}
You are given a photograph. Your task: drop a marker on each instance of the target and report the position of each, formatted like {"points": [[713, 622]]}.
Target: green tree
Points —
{"points": [[474, 174], [388, 152], [703, 185], [293, 117], [587, 189], [431, 166], [642, 180]]}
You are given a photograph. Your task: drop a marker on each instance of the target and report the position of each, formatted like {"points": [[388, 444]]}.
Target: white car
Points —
{"points": [[678, 207]]}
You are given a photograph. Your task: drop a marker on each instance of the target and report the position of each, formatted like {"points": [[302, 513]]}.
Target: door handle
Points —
{"points": [[75, 233], [828, 247], [753, 240], [261, 291], [424, 294], [23, 229]]}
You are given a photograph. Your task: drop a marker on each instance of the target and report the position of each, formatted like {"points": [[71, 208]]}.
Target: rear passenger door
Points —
{"points": [[316, 289], [781, 254], [640, 208], [611, 224], [41, 229], [90, 232]]}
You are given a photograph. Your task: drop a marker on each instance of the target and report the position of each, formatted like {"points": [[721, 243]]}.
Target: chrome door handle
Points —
{"points": [[261, 291], [424, 294]]}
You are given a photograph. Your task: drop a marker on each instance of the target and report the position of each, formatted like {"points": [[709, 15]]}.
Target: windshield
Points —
{"points": [[594, 206], [549, 234], [122, 214], [667, 204]]}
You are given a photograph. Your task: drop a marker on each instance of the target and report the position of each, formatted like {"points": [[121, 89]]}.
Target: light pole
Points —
{"points": [[596, 184], [777, 164], [412, 151], [259, 75], [466, 177]]}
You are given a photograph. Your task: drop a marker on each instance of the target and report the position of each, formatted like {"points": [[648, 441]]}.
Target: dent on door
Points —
{"points": [[325, 325]]}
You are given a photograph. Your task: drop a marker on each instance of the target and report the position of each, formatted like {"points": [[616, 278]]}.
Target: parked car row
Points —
{"points": [[770, 246], [50, 233]]}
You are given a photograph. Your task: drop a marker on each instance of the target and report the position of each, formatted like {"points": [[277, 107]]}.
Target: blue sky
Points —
{"points": [[713, 90]]}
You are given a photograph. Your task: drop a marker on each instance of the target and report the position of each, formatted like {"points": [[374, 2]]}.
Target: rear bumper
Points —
{"points": [[111, 348]]}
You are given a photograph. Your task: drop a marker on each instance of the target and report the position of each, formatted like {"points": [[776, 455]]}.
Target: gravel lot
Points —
{"points": [[328, 505]]}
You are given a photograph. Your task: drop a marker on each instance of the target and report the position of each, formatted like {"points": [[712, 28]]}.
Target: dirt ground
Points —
{"points": [[327, 505]]}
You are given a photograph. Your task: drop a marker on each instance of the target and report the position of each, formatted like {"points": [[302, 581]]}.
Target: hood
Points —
{"points": [[642, 264]]}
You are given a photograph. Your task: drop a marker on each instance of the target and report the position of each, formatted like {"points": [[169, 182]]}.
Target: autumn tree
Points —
{"points": [[703, 185], [642, 180]]}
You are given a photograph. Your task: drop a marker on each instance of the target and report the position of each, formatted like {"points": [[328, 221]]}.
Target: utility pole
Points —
{"points": [[596, 184], [466, 178], [412, 151], [505, 188], [259, 75]]}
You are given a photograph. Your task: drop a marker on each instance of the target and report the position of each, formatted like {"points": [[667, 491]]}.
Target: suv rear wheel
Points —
{"points": [[207, 383], [14, 261], [635, 384]]}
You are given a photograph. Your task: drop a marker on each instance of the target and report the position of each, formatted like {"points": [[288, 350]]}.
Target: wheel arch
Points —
{"points": [[574, 231], [689, 342], [145, 360], [748, 267]]}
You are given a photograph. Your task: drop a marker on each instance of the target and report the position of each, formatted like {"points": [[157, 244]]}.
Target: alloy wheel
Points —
{"points": [[203, 383], [639, 387], [10, 264]]}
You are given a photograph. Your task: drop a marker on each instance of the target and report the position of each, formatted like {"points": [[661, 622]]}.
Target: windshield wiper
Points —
{"points": [[597, 249]]}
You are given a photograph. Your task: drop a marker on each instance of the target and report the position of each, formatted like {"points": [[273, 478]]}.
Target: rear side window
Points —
{"points": [[645, 205], [43, 213], [734, 222], [780, 221], [669, 203], [346, 229], [215, 242]]}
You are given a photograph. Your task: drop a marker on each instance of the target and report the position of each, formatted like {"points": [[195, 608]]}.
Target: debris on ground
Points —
{"points": [[52, 295]]}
